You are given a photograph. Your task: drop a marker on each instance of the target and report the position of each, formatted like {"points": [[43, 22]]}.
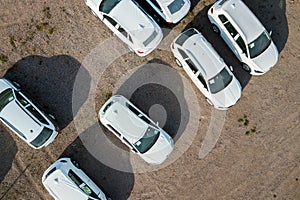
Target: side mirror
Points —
{"points": [[231, 68], [157, 124], [270, 33]]}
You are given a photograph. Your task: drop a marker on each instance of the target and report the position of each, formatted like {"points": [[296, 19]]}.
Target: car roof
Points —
{"points": [[244, 18], [202, 53], [62, 187], [13, 114], [125, 121], [137, 23]]}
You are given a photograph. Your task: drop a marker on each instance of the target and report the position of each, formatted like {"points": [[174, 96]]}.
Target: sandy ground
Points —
{"points": [[45, 44]]}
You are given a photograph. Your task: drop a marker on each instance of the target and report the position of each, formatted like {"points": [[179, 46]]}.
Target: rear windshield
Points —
{"points": [[5, 97], [175, 6], [185, 35], [42, 137], [150, 38], [107, 5]]}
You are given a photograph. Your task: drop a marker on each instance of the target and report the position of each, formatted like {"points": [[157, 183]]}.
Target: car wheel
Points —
{"points": [[208, 101], [178, 62], [75, 163], [93, 13], [246, 67], [215, 29]]}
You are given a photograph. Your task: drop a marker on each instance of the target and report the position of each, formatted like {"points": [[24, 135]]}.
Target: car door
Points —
{"points": [[202, 84], [110, 23], [188, 65], [228, 34], [117, 30], [241, 47]]}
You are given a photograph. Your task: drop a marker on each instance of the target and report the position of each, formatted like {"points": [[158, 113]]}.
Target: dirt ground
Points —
{"points": [[44, 45]]}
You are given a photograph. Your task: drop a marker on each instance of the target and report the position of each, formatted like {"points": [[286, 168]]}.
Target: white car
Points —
{"points": [[244, 34], [172, 11], [64, 180], [136, 130], [207, 69], [19, 114], [129, 22]]}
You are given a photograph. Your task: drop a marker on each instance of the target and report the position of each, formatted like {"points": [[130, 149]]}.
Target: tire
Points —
{"points": [[178, 62], [246, 67], [215, 29]]}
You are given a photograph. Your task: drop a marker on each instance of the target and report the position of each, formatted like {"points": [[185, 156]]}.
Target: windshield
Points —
{"points": [[259, 45], [5, 97], [42, 137], [148, 140], [220, 81], [107, 5], [175, 6]]}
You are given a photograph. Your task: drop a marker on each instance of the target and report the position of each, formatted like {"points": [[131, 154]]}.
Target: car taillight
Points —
{"points": [[140, 52], [212, 10], [172, 45], [56, 128], [169, 23]]}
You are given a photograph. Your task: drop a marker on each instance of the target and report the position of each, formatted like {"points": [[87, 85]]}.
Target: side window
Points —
{"points": [[114, 130], [126, 141], [121, 30], [241, 44], [192, 66], [156, 4], [223, 19], [202, 80], [145, 119], [231, 29], [21, 99], [82, 185], [183, 54], [129, 38], [75, 178], [135, 111], [113, 22], [36, 113]]}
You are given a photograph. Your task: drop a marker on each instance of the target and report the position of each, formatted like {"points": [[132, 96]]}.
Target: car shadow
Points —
{"points": [[114, 183], [146, 93], [49, 81], [8, 152], [272, 14], [202, 24]]}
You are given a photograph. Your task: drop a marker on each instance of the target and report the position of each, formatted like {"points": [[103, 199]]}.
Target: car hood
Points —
{"points": [[160, 151], [20, 120], [267, 59], [229, 95]]}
